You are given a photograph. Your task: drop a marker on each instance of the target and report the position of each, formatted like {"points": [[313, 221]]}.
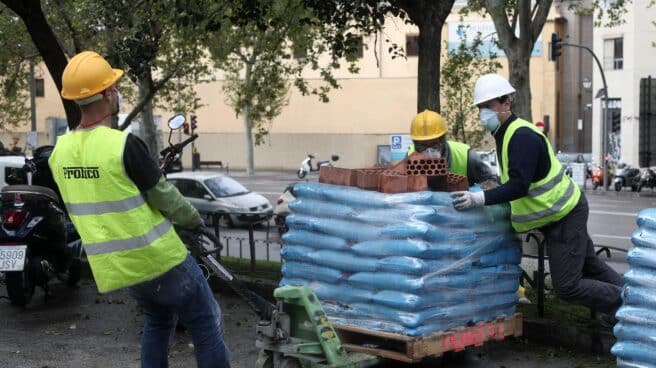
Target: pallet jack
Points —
{"points": [[293, 333]]}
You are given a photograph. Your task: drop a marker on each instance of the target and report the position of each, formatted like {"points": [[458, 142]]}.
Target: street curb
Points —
{"points": [[622, 194]]}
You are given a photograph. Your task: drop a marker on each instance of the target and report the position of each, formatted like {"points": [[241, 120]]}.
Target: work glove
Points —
{"points": [[465, 200]]}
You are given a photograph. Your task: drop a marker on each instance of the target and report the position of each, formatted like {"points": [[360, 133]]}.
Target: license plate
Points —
{"points": [[12, 258]]}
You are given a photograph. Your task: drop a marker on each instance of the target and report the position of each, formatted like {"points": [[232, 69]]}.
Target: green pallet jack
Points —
{"points": [[293, 333], [300, 335]]}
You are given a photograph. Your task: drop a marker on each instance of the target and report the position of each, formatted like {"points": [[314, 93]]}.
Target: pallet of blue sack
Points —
{"points": [[405, 263], [636, 326]]}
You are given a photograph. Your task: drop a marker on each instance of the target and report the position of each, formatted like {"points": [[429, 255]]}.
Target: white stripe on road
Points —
{"points": [[270, 193], [611, 236], [631, 214]]}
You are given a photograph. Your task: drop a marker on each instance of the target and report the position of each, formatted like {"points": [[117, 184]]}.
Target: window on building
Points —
{"points": [[356, 48], [40, 88], [411, 45], [613, 53], [647, 143]]}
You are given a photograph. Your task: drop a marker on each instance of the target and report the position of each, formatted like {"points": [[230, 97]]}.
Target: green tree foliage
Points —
{"points": [[15, 49], [463, 66]]}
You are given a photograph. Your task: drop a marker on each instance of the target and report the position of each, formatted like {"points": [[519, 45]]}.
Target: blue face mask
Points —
{"points": [[489, 119]]}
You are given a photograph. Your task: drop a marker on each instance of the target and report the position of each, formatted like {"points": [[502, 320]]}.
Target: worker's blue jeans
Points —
{"points": [[578, 275], [181, 293]]}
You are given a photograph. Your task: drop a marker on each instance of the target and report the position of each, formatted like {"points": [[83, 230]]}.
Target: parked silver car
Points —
{"points": [[213, 193]]}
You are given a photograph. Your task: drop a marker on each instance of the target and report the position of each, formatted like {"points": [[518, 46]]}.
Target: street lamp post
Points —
{"points": [[604, 138]]}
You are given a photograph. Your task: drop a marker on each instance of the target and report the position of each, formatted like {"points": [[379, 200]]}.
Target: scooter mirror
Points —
{"points": [[176, 121]]}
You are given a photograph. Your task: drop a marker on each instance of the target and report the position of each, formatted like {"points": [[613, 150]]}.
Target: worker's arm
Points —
{"points": [[528, 161], [477, 170], [159, 193]]}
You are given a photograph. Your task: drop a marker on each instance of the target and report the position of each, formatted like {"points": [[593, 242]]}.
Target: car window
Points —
{"points": [[195, 189], [223, 186]]}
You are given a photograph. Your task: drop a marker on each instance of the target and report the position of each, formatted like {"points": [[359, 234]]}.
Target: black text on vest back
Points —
{"points": [[79, 172]]}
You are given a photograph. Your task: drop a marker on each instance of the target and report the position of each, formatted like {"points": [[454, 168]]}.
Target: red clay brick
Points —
{"points": [[368, 178], [337, 176], [437, 183], [393, 183], [457, 183], [417, 183]]}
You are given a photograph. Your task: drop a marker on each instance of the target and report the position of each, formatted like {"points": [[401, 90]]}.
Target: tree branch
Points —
{"points": [[540, 17], [504, 30]]}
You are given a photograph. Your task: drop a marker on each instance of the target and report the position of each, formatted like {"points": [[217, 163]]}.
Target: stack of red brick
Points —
{"points": [[415, 173]]}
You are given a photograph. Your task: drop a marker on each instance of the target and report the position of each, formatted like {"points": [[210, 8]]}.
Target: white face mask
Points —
{"points": [[432, 152], [489, 119]]}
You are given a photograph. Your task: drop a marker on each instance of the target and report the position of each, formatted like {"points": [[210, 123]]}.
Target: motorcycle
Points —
{"points": [[647, 179], [626, 176], [170, 156], [306, 165], [37, 239]]}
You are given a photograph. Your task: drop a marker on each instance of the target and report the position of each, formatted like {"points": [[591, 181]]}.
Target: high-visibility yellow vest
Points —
{"points": [[549, 199], [459, 157], [126, 241]]}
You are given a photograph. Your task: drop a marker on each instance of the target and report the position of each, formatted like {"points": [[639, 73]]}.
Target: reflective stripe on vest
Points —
{"points": [[126, 241], [548, 200], [459, 156]]}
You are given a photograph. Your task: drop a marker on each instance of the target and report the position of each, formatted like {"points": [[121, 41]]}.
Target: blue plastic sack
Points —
{"points": [[341, 228], [314, 240], [296, 270], [638, 315], [647, 218], [510, 255], [637, 333], [297, 253], [644, 238], [644, 257], [344, 261], [318, 208], [639, 276], [639, 296], [634, 351]]}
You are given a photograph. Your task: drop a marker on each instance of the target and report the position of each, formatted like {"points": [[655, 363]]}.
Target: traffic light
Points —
{"points": [[193, 123], [556, 47], [185, 128]]}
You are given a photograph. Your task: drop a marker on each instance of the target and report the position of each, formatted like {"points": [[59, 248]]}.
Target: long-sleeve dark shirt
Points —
{"points": [[528, 162]]}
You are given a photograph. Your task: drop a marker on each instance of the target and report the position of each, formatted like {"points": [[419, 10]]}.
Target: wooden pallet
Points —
{"points": [[411, 349]]}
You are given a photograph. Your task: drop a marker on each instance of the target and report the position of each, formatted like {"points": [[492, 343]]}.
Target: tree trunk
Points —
{"points": [[148, 131], [46, 43], [250, 159], [429, 16], [518, 66]]}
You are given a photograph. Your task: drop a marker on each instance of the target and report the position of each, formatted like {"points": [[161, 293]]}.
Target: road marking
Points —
{"points": [[270, 193], [630, 214], [611, 236]]}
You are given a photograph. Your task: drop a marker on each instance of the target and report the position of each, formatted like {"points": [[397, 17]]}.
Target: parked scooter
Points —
{"points": [[37, 240], [282, 209], [626, 176], [647, 179], [306, 165], [597, 177]]}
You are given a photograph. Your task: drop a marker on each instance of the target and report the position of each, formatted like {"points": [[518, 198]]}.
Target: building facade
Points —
{"points": [[627, 53]]}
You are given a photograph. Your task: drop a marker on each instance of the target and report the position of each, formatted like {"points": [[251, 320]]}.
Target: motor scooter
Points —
{"points": [[597, 177], [170, 156], [647, 179], [626, 176], [37, 239], [306, 165]]}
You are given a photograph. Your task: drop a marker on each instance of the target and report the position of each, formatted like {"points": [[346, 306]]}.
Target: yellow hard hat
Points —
{"points": [[427, 125], [87, 74]]}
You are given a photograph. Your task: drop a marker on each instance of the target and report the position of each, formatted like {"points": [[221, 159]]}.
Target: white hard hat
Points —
{"points": [[491, 86]]}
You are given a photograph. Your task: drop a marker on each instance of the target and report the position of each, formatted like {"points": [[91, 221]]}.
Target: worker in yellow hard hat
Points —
{"points": [[428, 132], [123, 208]]}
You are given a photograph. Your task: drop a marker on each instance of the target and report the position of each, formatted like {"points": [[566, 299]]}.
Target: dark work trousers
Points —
{"points": [[578, 275]]}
